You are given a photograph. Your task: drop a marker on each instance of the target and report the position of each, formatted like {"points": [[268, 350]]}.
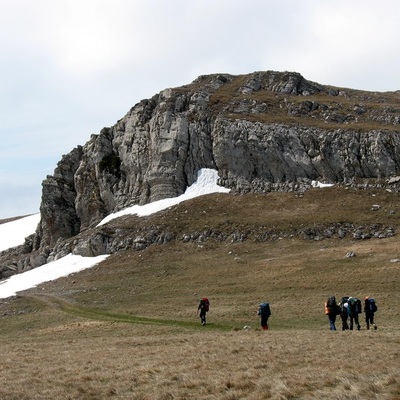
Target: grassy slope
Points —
{"points": [[128, 328]]}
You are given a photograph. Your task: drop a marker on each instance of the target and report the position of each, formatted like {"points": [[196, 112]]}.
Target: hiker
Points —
{"points": [[203, 307], [264, 311], [344, 313], [354, 308], [331, 310], [370, 308]]}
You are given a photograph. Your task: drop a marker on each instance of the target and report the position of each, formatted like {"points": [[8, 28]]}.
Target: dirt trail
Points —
{"points": [[54, 301]]}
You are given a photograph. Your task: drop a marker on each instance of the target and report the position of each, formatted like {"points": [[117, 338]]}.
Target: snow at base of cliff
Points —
{"points": [[14, 233], [206, 184]]}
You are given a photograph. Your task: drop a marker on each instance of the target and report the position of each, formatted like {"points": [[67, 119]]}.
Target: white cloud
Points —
{"points": [[69, 68], [348, 44]]}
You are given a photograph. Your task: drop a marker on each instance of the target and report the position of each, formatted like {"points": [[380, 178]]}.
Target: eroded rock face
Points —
{"points": [[58, 206], [262, 132]]}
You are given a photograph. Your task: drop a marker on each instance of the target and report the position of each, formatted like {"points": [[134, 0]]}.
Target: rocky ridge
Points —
{"points": [[265, 131]]}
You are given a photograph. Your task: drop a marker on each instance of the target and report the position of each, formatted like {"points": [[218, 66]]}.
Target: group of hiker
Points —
{"points": [[349, 309]]}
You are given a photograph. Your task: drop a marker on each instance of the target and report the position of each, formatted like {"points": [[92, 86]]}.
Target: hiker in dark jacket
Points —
{"points": [[369, 309], [331, 310], [344, 314], [264, 311], [354, 309], [203, 307]]}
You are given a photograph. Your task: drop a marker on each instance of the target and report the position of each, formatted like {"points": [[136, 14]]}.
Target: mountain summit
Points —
{"points": [[265, 131]]}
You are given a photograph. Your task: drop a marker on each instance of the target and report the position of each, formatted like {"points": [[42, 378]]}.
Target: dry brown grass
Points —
{"points": [[127, 328], [273, 212], [104, 360]]}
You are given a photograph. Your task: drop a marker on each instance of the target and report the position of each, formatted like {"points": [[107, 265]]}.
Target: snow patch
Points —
{"points": [[14, 233], [318, 184], [48, 272], [206, 183]]}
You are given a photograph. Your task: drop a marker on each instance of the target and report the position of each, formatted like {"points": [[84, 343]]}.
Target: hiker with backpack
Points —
{"points": [[264, 312], [370, 308], [331, 310], [203, 307], [344, 314], [354, 308]]}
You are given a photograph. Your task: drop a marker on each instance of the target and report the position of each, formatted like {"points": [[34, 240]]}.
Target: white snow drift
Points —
{"points": [[206, 183]]}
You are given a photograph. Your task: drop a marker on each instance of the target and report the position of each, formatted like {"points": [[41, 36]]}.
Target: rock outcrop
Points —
{"points": [[263, 131]]}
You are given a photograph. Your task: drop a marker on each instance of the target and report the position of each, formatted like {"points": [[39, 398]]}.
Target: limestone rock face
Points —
{"points": [[263, 131], [58, 212]]}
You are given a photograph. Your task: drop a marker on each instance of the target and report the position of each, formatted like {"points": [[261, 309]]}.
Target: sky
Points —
{"points": [[71, 67], [14, 233]]}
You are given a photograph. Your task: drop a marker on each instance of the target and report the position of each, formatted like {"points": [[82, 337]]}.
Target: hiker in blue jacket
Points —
{"points": [[369, 309], [354, 309], [264, 311]]}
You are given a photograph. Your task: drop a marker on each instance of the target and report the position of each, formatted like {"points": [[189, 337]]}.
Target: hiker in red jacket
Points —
{"points": [[203, 307]]}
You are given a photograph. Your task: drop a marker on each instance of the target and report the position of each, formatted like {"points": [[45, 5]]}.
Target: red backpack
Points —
{"points": [[205, 304]]}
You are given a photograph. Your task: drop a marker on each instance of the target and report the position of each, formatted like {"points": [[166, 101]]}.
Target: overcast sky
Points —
{"points": [[70, 67]]}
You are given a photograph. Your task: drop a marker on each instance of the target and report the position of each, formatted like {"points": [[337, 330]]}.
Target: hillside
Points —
{"points": [[226, 244], [263, 132], [127, 328]]}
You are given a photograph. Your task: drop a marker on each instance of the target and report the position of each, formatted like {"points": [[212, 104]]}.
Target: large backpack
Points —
{"points": [[343, 309], [370, 305], [332, 305], [264, 309], [358, 306], [205, 304], [354, 306]]}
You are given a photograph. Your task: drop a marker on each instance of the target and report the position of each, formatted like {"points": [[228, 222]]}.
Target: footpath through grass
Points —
{"points": [[99, 315]]}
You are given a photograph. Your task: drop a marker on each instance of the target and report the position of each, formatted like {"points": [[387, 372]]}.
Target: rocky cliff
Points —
{"points": [[264, 131]]}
